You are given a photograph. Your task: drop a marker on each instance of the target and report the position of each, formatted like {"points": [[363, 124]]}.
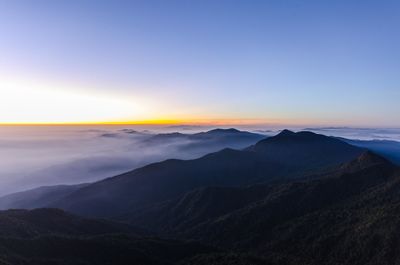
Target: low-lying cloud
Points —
{"points": [[36, 156], [31, 157], [360, 133]]}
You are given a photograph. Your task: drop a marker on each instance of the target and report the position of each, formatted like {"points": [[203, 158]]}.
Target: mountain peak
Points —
{"points": [[286, 132], [303, 137], [365, 160], [219, 130], [371, 157], [306, 148]]}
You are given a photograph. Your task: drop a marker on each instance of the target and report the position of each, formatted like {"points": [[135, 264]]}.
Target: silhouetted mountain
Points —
{"points": [[285, 156], [212, 140], [305, 148], [163, 138], [37, 198]]}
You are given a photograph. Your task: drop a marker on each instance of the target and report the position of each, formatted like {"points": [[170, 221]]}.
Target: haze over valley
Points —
{"points": [[80, 154]]}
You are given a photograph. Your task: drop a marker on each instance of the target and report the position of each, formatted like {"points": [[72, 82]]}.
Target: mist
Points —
{"points": [[32, 156], [43, 155], [359, 133]]}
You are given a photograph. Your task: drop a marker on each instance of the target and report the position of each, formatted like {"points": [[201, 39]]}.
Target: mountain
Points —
{"points": [[47, 221], [296, 198], [204, 204], [206, 142], [163, 138], [102, 250], [283, 157], [113, 151], [175, 216], [52, 236], [102, 167], [388, 149], [37, 198], [350, 216], [305, 148]]}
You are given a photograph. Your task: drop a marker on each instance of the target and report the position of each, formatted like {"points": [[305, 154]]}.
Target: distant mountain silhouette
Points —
{"points": [[286, 156], [211, 140], [388, 149], [305, 148], [162, 137]]}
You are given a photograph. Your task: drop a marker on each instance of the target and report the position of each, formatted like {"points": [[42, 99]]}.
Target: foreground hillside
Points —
{"points": [[51, 236]]}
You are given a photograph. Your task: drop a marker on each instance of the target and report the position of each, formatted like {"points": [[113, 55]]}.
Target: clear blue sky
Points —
{"points": [[312, 62]]}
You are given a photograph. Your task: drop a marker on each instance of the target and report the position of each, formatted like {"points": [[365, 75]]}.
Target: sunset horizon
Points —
{"points": [[199, 132], [142, 62]]}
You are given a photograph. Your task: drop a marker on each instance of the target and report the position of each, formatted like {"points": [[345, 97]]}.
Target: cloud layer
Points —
{"points": [[34, 156]]}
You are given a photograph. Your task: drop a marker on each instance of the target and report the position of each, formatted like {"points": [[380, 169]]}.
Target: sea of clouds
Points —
{"points": [[360, 133], [40, 155]]}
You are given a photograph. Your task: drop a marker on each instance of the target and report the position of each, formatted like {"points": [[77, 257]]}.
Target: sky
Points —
{"points": [[322, 63]]}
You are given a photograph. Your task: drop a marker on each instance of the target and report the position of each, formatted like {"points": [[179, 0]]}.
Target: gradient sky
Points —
{"points": [[292, 62]]}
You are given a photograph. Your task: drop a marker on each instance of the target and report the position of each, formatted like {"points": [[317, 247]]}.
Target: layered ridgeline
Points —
{"points": [[129, 149], [296, 198], [286, 156], [205, 141], [350, 216]]}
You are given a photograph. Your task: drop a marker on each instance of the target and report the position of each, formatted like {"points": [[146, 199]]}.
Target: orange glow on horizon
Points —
{"points": [[204, 122]]}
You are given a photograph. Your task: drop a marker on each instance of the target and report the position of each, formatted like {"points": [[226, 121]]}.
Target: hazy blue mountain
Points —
{"points": [[92, 155], [205, 142], [386, 148]]}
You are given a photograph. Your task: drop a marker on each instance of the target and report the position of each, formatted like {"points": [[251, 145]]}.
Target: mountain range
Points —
{"points": [[286, 156], [204, 142], [294, 198], [387, 148]]}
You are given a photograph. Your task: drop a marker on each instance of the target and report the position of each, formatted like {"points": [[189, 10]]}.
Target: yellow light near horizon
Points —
{"points": [[32, 104]]}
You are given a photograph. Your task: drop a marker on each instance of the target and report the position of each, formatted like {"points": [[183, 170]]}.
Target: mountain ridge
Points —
{"points": [[252, 206], [184, 212], [228, 167]]}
